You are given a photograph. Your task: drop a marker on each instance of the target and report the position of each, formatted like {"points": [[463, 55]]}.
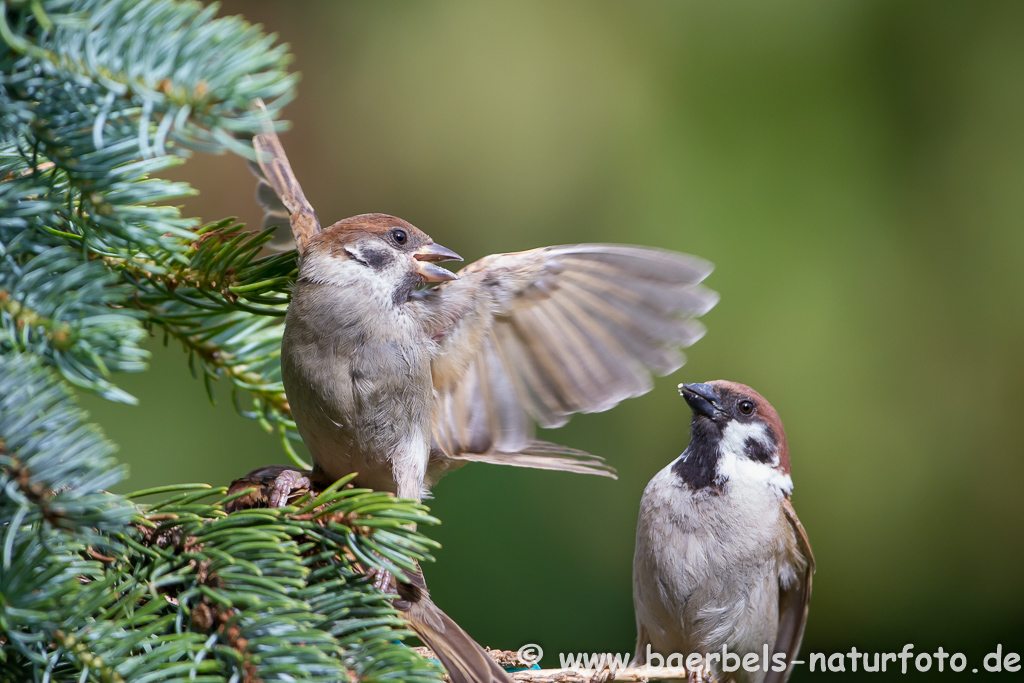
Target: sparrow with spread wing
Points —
{"points": [[400, 383]]}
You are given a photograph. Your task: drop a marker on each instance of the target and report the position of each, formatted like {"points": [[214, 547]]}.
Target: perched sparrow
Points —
{"points": [[400, 383], [721, 558]]}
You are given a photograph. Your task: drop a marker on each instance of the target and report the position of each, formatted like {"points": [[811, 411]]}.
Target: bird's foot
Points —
{"points": [[382, 582], [274, 486], [604, 673], [408, 593], [385, 582]]}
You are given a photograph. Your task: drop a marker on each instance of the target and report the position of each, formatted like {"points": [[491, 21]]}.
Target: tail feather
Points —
{"points": [[461, 656], [277, 173], [542, 455]]}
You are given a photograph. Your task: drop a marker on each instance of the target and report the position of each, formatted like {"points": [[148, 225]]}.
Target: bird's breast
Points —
{"points": [[359, 385], [706, 569]]}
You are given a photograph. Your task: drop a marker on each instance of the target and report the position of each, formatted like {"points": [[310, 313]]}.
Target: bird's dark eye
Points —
{"points": [[399, 235], [746, 407]]}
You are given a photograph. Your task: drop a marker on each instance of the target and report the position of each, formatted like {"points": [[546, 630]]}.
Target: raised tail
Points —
{"points": [[276, 172]]}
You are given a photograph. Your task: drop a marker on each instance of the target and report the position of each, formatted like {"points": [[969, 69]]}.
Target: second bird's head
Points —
{"points": [[732, 426]]}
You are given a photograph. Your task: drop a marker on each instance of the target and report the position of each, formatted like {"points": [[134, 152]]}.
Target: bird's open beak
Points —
{"points": [[428, 254], [702, 398]]}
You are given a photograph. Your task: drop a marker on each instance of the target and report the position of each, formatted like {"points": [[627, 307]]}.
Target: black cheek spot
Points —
{"points": [[756, 450], [376, 258]]}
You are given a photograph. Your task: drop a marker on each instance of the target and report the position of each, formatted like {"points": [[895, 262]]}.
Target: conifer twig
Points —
{"points": [[97, 97], [520, 671]]}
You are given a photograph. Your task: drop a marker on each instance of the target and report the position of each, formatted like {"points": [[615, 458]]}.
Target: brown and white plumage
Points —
{"points": [[466, 368], [535, 336], [279, 193], [794, 601], [721, 559], [400, 384], [515, 340]]}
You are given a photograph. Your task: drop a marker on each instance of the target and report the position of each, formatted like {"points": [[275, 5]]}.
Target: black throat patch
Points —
{"points": [[405, 288], [698, 466]]}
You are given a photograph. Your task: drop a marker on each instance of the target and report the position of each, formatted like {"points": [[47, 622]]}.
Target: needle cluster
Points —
{"points": [[97, 98]]}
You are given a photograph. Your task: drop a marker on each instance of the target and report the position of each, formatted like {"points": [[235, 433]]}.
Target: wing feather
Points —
{"points": [[793, 602], [535, 336]]}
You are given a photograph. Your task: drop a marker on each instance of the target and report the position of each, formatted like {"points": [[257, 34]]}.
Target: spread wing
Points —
{"points": [[793, 602], [279, 191], [535, 336]]}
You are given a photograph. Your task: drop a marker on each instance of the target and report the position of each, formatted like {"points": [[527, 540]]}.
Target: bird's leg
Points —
{"points": [[605, 672], [383, 580], [274, 485], [284, 484], [408, 593]]}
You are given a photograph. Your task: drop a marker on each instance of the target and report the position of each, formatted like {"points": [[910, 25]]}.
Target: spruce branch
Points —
{"points": [[190, 76], [224, 303], [524, 671], [96, 97], [54, 465], [56, 306], [185, 589], [77, 167]]}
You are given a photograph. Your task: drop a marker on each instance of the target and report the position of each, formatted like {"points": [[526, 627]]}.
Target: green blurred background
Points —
{"points": [[855, 170]]}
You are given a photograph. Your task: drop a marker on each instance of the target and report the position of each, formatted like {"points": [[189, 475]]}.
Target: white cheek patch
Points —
{"points": [[734, 464], [736, 434], [358, 279], [325, 268]]}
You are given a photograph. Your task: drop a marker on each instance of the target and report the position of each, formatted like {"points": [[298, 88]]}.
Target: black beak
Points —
{"points": [[702, 399]]}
